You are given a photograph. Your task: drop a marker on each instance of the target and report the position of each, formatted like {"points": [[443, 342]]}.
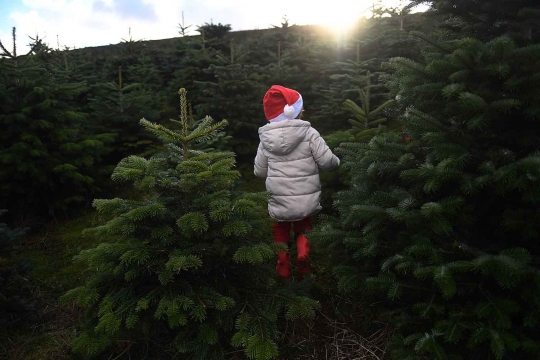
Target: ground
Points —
{"points": [[47, 333]]}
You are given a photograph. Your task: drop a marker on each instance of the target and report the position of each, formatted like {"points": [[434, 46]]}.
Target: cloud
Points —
{"points": [[126, 9], [83, 23]]}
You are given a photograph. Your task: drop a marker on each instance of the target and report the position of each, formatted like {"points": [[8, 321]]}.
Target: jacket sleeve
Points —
{"points": [[322, 154], [261, 163]]}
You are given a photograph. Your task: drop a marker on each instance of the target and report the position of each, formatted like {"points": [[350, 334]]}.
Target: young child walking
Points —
{"points": [[289, 157]]}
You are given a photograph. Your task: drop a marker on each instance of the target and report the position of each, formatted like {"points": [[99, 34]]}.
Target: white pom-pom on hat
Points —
{"points": [[289, 111]]}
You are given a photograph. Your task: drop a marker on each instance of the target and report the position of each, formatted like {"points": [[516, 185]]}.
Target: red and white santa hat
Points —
{"points": [[281, 103]]}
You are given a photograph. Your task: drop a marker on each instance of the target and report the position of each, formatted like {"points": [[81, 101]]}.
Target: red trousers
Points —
{"points": [[282, 232]]}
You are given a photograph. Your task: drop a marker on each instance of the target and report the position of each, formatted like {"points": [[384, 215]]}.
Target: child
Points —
{"points": [[289, 157]]}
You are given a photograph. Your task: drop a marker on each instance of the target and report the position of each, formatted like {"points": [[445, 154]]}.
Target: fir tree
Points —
{"points": [[183, 28], [372, 42], [213, 35], [72, 67], [136, 60], [486, 20], [219, 142], [214, 31], [117, 108], [285, 25], [131, 49], [344, 78], [190, 64], [145, 72], [309, 58], [442, 230], [236, 92], [188, 270], [45, 151], [400, 11], [367, 120], [279, 71]]}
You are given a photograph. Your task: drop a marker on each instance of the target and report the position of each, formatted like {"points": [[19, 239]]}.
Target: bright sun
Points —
{"points": [[340, 14]]}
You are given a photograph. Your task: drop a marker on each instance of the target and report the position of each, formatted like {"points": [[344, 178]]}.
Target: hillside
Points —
{"points": [[322, 33]]}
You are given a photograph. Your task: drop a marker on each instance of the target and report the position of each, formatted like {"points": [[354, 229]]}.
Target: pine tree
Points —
{"points": [[279, 71], [219, 142], [371, 42], [214, 31], [309, 57], [189, 270], [344, 78], [284, 26], [213, 35], [145, 72], [183, 28], [367, 120], [117, 107], [441, 231], [486, 20], [45, 151], [190, 63], [236, 92], [138, 62], [400, 11], [72, 67]]}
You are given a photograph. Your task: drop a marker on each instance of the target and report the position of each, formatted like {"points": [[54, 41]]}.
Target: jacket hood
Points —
{"points": [[283, 137]]}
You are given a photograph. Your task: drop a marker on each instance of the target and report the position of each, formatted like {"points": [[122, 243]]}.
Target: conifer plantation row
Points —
{"points": [[132, 226]]}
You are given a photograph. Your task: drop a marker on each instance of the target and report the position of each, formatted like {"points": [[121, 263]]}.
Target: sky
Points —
{"points": [[84, 23]]}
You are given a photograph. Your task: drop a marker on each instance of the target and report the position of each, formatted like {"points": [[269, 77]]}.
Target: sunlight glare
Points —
{"points": [[339, 15]]}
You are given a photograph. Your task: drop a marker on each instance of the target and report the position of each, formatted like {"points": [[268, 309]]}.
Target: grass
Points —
{"points": [[48, 333]]}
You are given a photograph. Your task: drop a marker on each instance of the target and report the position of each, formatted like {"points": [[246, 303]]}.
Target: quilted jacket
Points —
{"points": [[289, 157]]}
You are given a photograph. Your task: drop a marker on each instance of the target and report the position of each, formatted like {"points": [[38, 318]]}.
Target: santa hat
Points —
{"points": [[281, 103]]}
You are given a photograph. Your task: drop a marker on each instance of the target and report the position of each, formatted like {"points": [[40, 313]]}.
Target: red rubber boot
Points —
{"points": [[302, 246], [283, 266], [303, 263]]}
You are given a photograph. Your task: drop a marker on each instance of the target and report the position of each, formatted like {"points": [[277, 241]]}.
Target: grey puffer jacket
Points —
{"points": [[290, 155]]}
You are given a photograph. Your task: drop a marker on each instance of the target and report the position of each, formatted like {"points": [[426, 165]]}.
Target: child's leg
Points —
{"points": [[282, 235], [302, 245]]}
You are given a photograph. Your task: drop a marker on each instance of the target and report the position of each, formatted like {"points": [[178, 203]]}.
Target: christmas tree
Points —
{"points": [[487, 19], [190, 270], [370, 43], [117, 107], [236, 91], [212, 35], [440, 225], [367, 119], [45, 151], [279, 71], [188, 64]]}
